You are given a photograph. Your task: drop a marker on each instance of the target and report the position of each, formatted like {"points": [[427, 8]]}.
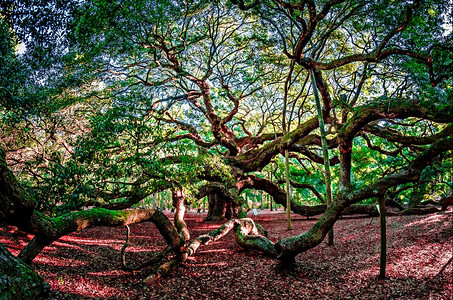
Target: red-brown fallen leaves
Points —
{"points": [[87, 264]]}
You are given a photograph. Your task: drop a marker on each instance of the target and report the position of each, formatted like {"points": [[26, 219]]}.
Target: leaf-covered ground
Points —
{"points": [[87, 265]]}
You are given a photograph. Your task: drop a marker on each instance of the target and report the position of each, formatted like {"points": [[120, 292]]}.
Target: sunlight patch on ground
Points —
{"points": [[139, 249], [410, 262], [53, 261], [60, 244], [209, 227], [216, 264], [11, 248], [86, 241], [145, 237], [14, 239], [420, 261], [81, 286], [7, 241], [212, 251], [351, 238], [428, 220], [109, 273]]}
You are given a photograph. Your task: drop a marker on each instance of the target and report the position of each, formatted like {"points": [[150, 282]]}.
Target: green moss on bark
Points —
{"points": [[17, 280]]}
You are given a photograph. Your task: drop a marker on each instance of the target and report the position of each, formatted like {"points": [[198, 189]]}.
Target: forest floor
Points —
{"points": [[86, 264]]}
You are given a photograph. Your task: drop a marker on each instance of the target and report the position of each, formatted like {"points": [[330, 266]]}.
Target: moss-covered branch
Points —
{"points": [[247, 236], [48, 229], [288, 248]]}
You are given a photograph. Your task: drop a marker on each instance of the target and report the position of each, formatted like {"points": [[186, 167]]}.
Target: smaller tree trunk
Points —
{"points": [[232, 210], [33, 248], [383, 239], [270, 196], [288, 198]]}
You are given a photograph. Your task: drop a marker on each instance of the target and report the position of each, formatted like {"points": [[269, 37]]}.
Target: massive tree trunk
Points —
{"points": [[17, 280], [222, 202], [217, 207], [221, 208]]}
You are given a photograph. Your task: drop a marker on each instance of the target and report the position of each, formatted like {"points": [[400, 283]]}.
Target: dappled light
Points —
{"points": [[99, 242], [349, 269], [212, 251], [432, 220], [14, 239], [63, 262], [214, 265], [76, 286]]}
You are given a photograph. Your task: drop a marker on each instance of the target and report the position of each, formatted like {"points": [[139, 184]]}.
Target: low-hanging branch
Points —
{"points": [[299, 185], [47, 229], [396, 137], [279, 196], [289, 247]]}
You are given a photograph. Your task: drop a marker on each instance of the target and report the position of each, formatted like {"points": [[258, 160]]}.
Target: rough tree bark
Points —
{"points": [[221, 201], [217, 208], [17, 280], [447, 201]]}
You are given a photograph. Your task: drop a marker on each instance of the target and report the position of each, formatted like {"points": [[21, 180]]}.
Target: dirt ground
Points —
{"points": [[86, 264]]}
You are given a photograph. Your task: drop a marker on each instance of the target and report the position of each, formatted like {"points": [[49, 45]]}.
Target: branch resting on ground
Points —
{"points": [[247, 236]]}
